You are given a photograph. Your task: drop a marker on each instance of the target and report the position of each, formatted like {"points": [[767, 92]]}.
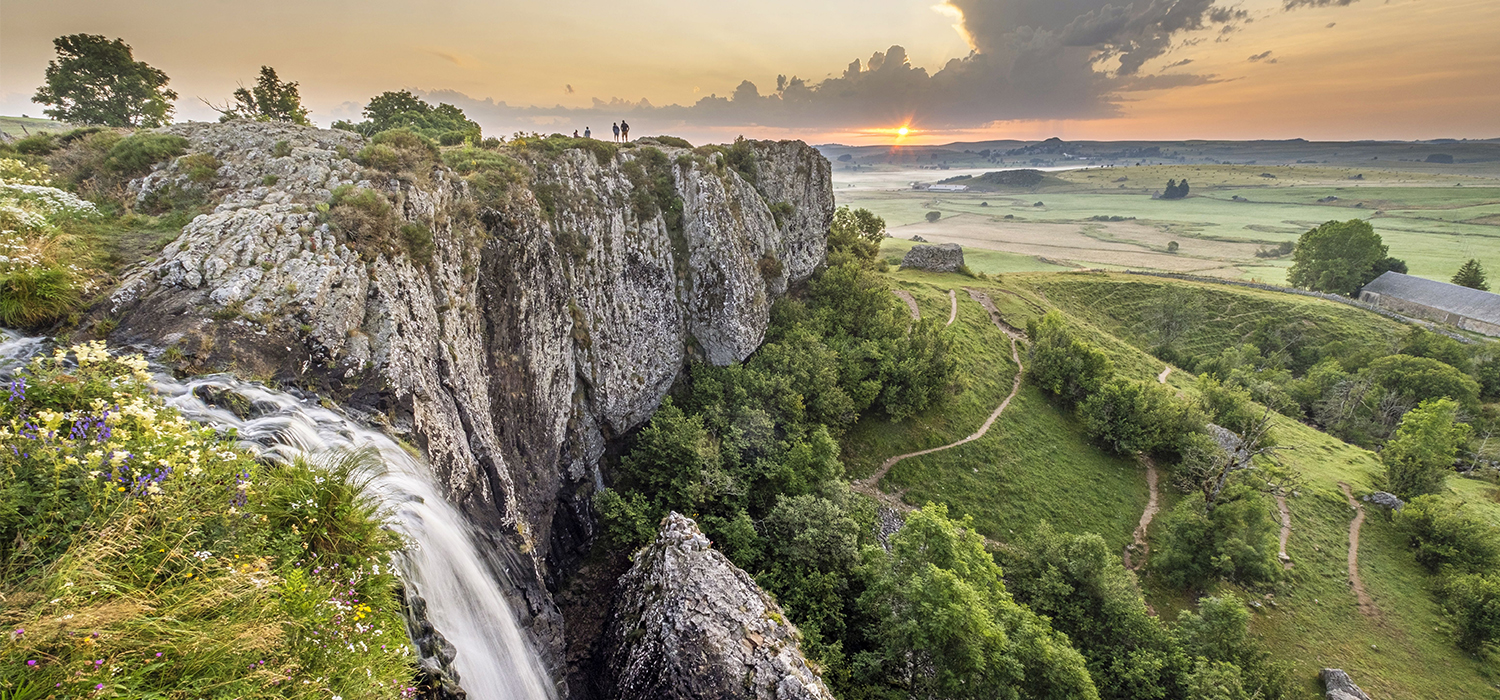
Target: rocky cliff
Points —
{"points": [[519, 329], [688, 624]]}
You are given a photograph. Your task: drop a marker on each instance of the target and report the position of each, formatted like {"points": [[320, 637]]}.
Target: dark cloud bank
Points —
{"points": [[1032, 59]]}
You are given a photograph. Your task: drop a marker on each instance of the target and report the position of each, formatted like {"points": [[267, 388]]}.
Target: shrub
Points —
{"points": [[1473, 600], [419, 244], [1236, 540], [36, 296], [200, 167], [1131, 416], [399, 150], [281, 149], [39, 144], [781, 211], [933, 216], [672, 141], [1443, 534], [1061, 364], [1418, 458], [770, 266], [135, 155], [364, 218]]}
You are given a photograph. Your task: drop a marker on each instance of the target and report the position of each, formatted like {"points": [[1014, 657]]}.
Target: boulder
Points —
{"points": [[944, 257], [687, 623], [1339, 687], [1389, 500]]}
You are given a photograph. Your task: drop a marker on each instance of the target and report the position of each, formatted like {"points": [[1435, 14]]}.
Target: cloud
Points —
{"points": [[1330, 25], [1029, 59], [1178, 64], [1260, 56], [1294, 4]]}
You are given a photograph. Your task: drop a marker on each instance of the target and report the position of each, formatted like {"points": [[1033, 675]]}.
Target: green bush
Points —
{"points": [[364, 217], [419, 245], [36, 296], [1473, 600], [39, 144], [399, 150], [200, 167], [135, 155], [1420, 455], [1445, 535], [1062, 364], [1236, 540], [672, 141], [281, 149], [1130, 416]]}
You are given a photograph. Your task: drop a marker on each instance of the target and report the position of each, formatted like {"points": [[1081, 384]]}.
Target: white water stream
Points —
{"points": [[442, 564]]}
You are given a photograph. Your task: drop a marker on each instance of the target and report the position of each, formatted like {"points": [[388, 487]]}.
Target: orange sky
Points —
{"points": [[1397, 69]]}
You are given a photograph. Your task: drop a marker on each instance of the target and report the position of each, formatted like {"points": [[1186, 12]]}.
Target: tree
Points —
{"points": [[1175, 190], [1337, 257], [1062, 364], [1471, 275], [98, 81], [1417, 379], [1130, 416], [1418, 458], [948, 628], [857, 233], [402, 110], [933, 216], [269, 101]]}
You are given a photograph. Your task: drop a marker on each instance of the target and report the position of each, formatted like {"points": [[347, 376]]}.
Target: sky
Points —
{"points": [[841, 71]]}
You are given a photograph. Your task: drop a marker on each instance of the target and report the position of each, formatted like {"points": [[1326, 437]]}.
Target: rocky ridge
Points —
{"points": [[690, 624], [547, 322]]}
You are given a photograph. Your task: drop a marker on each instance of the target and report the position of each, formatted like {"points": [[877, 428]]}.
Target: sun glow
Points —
{"points": [[902, 131]]}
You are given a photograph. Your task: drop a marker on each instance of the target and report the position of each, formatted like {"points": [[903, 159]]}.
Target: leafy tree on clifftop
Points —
{"points": [[402, 110], [98, 81], [1471, 275], [269, 101], [1337, 257]]}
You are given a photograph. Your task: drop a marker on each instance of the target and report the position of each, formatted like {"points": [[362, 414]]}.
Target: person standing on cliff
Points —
{"points": [[586, 133], [617, 132], [624, 131]]}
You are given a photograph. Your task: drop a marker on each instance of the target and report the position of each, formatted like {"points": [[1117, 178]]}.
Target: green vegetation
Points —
{"points": [[271, 100], [144, 555], [1421, 453], [1471, 275], [857, 231], [1338, 257], [98, 81], [444, 123], [400, 151], [1175, 190]]}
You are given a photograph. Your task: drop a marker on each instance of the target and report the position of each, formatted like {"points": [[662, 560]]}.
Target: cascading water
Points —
{"points": [[442, 564]]}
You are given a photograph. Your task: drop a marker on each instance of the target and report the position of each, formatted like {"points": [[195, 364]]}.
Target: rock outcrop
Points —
{"points": [[1339, 687], [1385, 499], [689, 624], [943, 257], [546, 316]]}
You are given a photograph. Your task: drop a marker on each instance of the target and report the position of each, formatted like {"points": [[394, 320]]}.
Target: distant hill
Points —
{"points": [[999, 180], [20, 127]]}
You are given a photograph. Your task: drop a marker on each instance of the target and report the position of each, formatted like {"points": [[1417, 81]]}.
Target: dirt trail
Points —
{"points": [[1164, 374], [953, 314], [1366, 605], [1286, 529], [1142, 547], [870, 485], [911, 303]]}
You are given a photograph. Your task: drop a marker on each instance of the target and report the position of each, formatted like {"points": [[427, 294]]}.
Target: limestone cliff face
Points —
{"points": [[688, 624], [546, 323]]}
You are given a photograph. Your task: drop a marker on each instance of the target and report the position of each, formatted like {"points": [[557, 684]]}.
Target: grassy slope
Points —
{"points": [[1036, 464]]}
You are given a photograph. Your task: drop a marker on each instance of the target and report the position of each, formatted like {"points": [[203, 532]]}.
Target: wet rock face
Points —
{"points": [[689, 624], [944, 257], [546, 323]]}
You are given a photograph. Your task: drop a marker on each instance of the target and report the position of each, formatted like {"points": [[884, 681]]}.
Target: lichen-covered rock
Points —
{"points": [[1388, 500], [689, 624], [943, 257], [1339, 686], [546, 322]]}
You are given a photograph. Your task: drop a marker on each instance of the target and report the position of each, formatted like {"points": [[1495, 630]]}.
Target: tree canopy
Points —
{"points": [[269, 101], [402, 110], [1418, 458], [1471, 275], [98, 81], [1176, 190], [1338, 257]]}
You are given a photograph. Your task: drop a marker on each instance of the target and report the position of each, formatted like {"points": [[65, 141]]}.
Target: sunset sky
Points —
{"points": [[955, 70]]}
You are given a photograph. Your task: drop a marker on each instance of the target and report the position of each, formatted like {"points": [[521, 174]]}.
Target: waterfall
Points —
{"points": [[442, 564]]}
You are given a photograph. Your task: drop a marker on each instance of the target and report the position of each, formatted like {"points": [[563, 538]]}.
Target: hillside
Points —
{"points": [[1037, 464]]}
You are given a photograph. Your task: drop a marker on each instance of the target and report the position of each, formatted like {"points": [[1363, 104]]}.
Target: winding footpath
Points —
{"points": [[952, 314], [870, 486], [1366, 605], [1286, 529], [911, 303]]}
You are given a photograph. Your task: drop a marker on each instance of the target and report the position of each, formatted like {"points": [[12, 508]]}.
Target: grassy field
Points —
{"points": [[19, 127], [1036, 464], [1431, 218]]}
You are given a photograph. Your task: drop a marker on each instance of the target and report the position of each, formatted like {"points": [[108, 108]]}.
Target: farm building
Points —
{"points": [[1469, 309]]}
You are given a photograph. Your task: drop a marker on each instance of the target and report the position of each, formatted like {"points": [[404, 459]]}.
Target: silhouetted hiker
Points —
{"points": [[586, 133], [617, 131], [624, 131], [575, 133]]}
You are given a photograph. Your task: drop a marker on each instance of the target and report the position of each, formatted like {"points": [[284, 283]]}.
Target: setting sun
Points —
{"points": [[902, 131]]}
